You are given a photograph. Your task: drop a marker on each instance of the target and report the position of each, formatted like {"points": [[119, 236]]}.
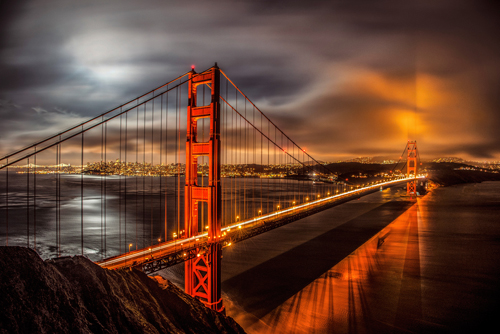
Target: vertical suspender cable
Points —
{"points": [[57, 198], [280, 155], [241, 184], [7, 203], [261, 164], [166, 166], [160, 170], [59, 190], [238, 155], [226, 147], [28, 203], [136, 173], [125, 185], [254, 159], [144, 179], [275, 183], [245, 167], [34, 202], [152, 168], [105, 184], [101, 183], [120, 189], [223, 157], [287, 174], [268, 190], [176, 188], [81, 193], [233, 169], [178, 147], [104, 178], [179, 142]]}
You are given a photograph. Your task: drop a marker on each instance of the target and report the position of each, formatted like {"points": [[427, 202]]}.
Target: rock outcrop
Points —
{"points": [[74, 295]]}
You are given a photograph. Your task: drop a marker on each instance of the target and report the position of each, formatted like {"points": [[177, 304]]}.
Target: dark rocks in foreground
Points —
{"points": [[74, 295]]}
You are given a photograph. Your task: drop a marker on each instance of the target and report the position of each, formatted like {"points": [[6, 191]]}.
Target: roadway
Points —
{"points": [[175, 251]]}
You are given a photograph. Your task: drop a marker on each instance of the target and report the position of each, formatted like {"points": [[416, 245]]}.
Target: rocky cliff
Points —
{"points": [[74, 295]]}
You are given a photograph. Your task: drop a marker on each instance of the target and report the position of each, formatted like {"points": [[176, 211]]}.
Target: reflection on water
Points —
{"points": [[102, 216], [341, 299], [434, 269]]}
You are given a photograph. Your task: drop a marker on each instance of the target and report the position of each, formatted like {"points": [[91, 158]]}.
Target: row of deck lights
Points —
{"points": [[293, 203], [318, 196], [238, 217], [260, 213]]}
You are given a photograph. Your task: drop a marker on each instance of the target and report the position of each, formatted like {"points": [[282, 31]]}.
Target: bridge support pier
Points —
{"points": [[202, 274]]}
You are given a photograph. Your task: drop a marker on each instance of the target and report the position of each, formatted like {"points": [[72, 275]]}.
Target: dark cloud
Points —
{"points": [[342, 78]]}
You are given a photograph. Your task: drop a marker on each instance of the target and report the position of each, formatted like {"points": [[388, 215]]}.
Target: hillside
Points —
{"points": [[74, 295], [444, 173], [450, 177]]}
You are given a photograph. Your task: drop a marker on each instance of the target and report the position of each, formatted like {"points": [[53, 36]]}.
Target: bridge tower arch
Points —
{"points": [[202, 273], [411, 168]]}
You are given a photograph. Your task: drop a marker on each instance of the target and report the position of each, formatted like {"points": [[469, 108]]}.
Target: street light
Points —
{"points": [[129, 247]]}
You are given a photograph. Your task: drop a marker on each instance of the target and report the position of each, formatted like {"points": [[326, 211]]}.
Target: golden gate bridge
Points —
{"points": [[182, 171]]}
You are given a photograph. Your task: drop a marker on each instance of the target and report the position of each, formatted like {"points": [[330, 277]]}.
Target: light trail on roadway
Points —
{"points": [[178, 245]]}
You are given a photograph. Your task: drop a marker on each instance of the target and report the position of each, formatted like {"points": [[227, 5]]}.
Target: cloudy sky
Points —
{"points": [[341, 78]]}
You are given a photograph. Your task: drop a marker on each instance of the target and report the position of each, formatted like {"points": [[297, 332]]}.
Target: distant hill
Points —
{"points": [[357, 167], [448, 177]]}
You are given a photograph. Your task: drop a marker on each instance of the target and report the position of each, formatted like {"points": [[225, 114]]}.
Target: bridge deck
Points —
{"points": [[169, 253]]}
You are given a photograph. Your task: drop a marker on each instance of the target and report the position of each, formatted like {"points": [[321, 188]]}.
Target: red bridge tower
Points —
{"points": [[202, 274]]}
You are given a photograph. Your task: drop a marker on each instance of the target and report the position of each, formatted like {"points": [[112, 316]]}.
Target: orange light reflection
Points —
{"points": [[374, 289]]}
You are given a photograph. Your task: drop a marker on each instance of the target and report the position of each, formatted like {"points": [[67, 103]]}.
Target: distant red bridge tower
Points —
{"points": [[411, 168]]}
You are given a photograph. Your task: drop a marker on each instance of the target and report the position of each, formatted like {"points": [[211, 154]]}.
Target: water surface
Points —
{"points": [[431, 267]]}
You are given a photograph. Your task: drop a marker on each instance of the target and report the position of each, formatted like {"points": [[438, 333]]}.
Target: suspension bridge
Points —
{"points": [[172, 176]]}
